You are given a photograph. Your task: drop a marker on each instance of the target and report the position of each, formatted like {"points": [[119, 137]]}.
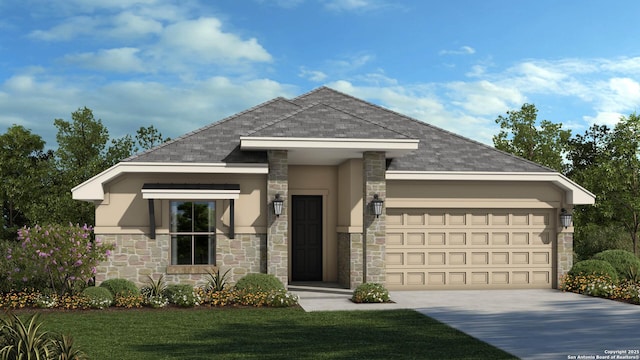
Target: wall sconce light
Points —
{"points": [[565, 218], [377, 205], [277, 205]]}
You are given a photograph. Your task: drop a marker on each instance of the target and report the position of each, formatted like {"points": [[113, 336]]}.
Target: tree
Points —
{"points": [[607, 162], [544, 143], [149, 137], [23, 164]]}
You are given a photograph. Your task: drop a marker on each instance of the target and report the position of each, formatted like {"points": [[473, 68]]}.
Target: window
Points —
{"points": [[193, 232]]}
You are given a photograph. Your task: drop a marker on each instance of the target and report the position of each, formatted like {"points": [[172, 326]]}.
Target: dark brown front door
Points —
{"points": [[306, 242]]}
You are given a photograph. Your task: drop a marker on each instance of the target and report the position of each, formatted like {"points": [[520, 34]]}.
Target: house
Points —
{"points": [[455, 213]]}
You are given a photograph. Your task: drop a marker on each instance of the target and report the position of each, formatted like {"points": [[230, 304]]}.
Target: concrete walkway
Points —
{"points": [[531, 324]]}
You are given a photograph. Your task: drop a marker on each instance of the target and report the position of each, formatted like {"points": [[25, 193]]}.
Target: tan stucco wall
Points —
{"points": [[470, 194], [125, 211], [320, 180], [350, 196]]}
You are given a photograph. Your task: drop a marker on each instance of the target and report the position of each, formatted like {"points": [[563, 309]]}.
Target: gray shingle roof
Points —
{"points": [[325, 112]]}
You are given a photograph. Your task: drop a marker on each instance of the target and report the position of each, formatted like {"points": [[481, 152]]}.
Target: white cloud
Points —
{"points": [[71, 27], [341, 5], [122, 60], [463, 50], [203, 41], [128, 24], [604, 118], [312, 75], [484, 97]]}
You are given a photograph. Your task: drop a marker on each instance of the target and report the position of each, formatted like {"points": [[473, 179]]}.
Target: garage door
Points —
{"points": [[469, 249]]}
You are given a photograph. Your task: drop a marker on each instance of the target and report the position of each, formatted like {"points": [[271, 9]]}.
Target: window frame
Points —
{"points": [[175, 233]]}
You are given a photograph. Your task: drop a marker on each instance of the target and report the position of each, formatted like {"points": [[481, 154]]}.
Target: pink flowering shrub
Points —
{"points": [[60, 254]]}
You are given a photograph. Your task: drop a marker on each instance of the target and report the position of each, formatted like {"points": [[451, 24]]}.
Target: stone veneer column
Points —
{"points": [[564, 254], [374, 229], [278, 227]]}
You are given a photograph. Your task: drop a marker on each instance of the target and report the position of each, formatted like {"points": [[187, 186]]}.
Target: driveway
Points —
{"points": [[530, 324]]}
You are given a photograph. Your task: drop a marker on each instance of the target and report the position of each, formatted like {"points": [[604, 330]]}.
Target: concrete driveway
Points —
{"points": [[530, 324]]}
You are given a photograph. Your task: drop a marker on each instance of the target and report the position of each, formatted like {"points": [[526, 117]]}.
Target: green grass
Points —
{"points": [[265, 333]]}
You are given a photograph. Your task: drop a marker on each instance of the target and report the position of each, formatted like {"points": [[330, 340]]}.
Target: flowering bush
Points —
{"points": [[156, 301], [60, 254], [46, 301], [182, 295], [628, 291], [370, 293], [281, 298], [129, 301], [593, 285], [98, 297]]}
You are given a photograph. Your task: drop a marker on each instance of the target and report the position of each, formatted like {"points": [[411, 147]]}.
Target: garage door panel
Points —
{"points": [[469, 249]]}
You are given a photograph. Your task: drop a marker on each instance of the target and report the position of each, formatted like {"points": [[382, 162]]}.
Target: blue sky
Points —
{"points": [[180, 65]]}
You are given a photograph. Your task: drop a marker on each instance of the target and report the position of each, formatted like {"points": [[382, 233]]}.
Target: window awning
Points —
{"points": [[191, 191]]}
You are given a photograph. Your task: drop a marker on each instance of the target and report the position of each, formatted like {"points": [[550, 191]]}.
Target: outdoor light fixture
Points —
{"points": [[377, 205], [277, 205], [565, 218]]}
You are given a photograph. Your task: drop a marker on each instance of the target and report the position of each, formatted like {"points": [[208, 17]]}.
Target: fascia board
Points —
{"points": [[291, 143]]}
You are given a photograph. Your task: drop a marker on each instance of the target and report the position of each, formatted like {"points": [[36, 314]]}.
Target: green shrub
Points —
{"points": [[182, 295], [26, 340], [624, 262], [281, 298], [370, 293], [154, 288], [120, 287], [215, 281], [590, 239], [259, 282], [98, 297], [594, 267]]}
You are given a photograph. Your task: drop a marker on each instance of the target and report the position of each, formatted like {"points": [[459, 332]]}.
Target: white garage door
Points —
{"points": [[469, 249]]}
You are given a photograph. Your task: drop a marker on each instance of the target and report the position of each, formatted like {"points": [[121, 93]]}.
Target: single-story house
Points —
{"points": [[327, 187]]}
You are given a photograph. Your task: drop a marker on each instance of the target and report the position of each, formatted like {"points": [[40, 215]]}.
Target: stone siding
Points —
{"points": [[374, 182], [278, 227], [136, 256], [564, 255], [350, 257]]}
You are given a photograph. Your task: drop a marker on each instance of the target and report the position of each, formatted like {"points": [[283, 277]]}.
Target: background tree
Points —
{"points": [[36, 184], [23, 165], [606, 161], [544, 143]]}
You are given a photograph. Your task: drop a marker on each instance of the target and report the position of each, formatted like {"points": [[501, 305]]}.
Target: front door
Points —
{"points": [[306, 242]]}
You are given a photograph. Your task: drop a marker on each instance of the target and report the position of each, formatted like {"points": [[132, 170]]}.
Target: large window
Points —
{"points": [[193, 232]]}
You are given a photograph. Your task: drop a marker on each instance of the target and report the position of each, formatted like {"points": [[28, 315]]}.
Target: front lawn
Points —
{"points": [[264, 333]]}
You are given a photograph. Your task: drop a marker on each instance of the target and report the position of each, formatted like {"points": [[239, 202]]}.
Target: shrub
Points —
{"points": [[153, 292], [120, 287], [590, 284], [215, 281], [182, 295], [594, 267], [590, 239], [26, 340], [370, 293], [624, 262], [281, 298], [98, 297], [61, 254], [259, 282]]}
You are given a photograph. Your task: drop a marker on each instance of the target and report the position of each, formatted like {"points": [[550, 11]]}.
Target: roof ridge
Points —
{"points": [[209, 126], [429, 125], [367, 120], [282, 118]]}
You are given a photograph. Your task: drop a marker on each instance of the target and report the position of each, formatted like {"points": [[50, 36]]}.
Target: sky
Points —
{"points": [[181, 65]]}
